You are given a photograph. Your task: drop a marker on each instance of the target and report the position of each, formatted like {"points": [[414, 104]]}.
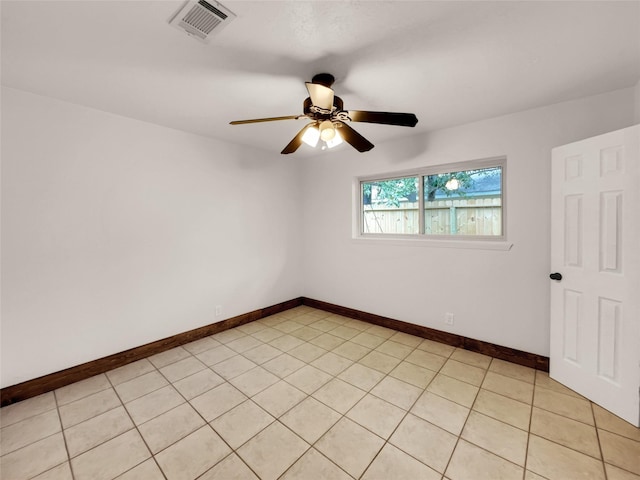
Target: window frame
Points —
{"points": [[464, 241]]}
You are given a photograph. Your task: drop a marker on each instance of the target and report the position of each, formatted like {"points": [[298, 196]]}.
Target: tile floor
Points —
{"points": [[309, 395]]}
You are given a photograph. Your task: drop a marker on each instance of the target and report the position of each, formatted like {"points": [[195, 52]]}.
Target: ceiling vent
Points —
{"points": [[201, 19]]}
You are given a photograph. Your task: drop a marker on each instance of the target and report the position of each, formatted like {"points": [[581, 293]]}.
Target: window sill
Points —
{"points": [[500, 245]]}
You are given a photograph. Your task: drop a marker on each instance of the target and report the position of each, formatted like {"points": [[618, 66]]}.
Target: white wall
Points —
{"points": [[637, 102], [116, 233], [497, 296]]}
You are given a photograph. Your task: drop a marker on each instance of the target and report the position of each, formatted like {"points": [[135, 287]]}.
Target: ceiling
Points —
{"points": [[448, 62]]}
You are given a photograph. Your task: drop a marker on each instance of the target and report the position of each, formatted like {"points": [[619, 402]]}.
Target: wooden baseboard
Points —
{"points": [[519, 357], [47, 383]]}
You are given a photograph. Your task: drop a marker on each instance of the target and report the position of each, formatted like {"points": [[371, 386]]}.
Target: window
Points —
{"points": [[464, 200]]}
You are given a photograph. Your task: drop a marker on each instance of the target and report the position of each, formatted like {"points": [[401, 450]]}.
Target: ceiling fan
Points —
{"points": [[330, 122]]}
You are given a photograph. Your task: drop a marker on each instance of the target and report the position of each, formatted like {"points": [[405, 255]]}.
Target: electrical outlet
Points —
{"points": [[218, 310], [448, 318]]}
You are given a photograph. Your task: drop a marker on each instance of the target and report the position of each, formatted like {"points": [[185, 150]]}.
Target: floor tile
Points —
{"points": [[279, 398], [81, 389], [34, 459], [397, 392], [325, 325], [350, 446], [406, 339], [231, 468], [29, 430], [379, 361], [472, 463], [284, 365], [130, 371], [436, 347], [251, 328], [556, 462], [503, 408], [392, 462], [413, 374], [565, 405], [471, 358], [153, 404], [140, 386], [308, 379], [499, 438], [314, 465], [182, 368], [167, 357], [288, 326], [307, 352], [512, 370], [352, 323], [262, 354], [339, 395], [93, 432], [362, 377], [376, 415], [565, 431], [61, 472], [456, 390], [306, 333], [327, 341], [310, 419], [464, 372], [198, 383], [193, 455], [431, 445], [147, 470], [171, 426], [217, 401], [232, 367], [215, 355], [228, 336], [241, 423], [272, 451], [426, 359], [368, 340], [444, 413], [267, 335], [243, 344], [352, 351], [380, 331], [202, 345], [286, 342], [615, 473], [88, 407], [27, 408], [509, 387], [331, 363], [543, 380], [609, 422], [620, 451], [254, 381], [395, 349], [111, 458]]}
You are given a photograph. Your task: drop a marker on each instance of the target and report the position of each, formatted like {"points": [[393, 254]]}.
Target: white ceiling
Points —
{"points": [[448, 62]]}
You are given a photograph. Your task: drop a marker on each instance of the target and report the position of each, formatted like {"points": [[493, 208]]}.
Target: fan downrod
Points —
{"points": [[325, 79]]}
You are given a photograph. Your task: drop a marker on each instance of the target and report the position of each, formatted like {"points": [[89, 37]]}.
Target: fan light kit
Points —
{"points": [[330, 120]]}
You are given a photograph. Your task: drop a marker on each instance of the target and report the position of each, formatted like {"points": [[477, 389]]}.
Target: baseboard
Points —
{"points": [[47, 383], [512, 355]]}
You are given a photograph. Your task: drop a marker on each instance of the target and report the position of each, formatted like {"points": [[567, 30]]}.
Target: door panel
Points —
{"points": [[595, 245]]}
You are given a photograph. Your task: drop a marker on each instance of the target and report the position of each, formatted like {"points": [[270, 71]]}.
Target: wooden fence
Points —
{"points": [[460, 216]]}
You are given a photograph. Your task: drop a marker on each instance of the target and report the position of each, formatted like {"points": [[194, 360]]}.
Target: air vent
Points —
{"points": [[201, 19]]}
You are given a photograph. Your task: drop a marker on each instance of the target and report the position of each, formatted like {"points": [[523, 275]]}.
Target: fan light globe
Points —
{"points": [[327, 132], [311, 136]]}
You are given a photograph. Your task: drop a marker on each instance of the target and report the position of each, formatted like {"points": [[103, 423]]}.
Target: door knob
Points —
{"points": [[556, 276]]}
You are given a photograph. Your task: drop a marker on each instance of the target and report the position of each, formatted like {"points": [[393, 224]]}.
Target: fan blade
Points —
{"points": [[388, 118], [356, 140], [270, 119], [320, 95], [297, 141]]}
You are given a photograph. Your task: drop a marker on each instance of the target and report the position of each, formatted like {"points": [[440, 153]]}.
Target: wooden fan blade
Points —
{"points": [[270, 119], [320, 95], [387, 118], [356, 140], [296, 142]]}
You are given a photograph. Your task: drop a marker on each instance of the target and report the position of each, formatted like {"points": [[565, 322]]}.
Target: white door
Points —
{"points": [[595, 246]]}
